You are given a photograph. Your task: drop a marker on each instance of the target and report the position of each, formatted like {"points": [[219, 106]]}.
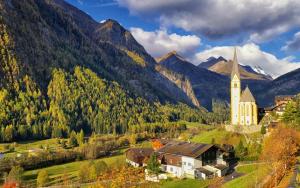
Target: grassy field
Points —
{"points": [[219, 135], [254, 173], [58, 172], [189, 183], [23, 147]]}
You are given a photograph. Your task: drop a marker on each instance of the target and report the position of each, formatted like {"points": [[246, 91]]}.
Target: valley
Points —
{"points": [[79, 95]]}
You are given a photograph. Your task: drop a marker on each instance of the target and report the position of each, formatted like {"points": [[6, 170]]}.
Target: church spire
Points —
{"points": [[235, 65]]}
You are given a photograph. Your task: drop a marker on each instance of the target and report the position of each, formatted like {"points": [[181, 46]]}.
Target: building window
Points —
{"points": [[184, 163], [235, 85], [171, 169], [189, 164]]}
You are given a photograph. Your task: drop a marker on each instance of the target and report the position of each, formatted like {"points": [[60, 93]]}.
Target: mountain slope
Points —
{"points": [[211, 61], [181, 81], [287, 84], [53, 34], [206, 84], [222, 66]]}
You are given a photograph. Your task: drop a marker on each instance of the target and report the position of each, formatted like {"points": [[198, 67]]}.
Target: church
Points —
{"points": [[243, 105]]}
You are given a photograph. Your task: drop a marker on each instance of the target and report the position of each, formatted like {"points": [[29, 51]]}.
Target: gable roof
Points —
{"points": [[235, 66], [247, 96], [185, 148], [138, 155]]}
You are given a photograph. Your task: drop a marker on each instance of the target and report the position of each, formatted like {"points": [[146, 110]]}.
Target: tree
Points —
{"points": [[83, 173], [72, 140], [92, 172], [241, 150], [263, 130], [280, 151], [217, 182], [42, 178], [101, 167], [80, 137], [153, 165], [15, 174], [133, 139]]}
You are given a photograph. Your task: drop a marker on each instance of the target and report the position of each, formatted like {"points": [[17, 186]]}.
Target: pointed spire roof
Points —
{"points": [[235, 65], [247, 96]]}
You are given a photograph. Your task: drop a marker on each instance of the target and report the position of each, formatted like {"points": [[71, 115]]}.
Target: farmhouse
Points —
{"points": [[279, 105], [185, 159], [138, 156]]}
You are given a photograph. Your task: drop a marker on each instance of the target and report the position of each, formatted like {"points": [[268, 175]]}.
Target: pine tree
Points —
{"points": [[153, 165]]}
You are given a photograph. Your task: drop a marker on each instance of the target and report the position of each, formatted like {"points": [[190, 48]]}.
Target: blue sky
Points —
{"points": [[266, 30]]}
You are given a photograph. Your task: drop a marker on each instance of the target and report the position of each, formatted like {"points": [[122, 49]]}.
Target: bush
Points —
{"points": [[15, 174], [42, 178]]}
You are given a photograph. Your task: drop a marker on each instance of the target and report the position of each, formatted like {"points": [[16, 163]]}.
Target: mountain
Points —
{"points": [[53, 34], [211, 61], [223, 66], [287, 84], [207, 85], [181, 81]]}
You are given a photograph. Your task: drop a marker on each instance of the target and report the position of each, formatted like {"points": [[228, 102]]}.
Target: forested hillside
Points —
{"points": [[53, 34]]}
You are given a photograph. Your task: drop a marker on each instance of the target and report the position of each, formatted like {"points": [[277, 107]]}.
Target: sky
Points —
{"points": [[266, 33]]}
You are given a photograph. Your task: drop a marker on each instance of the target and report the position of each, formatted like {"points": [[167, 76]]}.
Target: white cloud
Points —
{"points": [[294, 44], [260, 19], [160, 42], [251, 54]]}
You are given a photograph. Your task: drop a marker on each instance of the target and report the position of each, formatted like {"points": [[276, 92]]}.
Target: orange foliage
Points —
{"points": [[156, 144], [280, 150], [10, 185], [122, 177]]}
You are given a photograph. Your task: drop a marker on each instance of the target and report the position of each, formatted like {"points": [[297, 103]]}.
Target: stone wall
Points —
{"points": [[243, 129]]}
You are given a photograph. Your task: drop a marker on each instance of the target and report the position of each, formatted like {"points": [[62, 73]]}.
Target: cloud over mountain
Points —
{"points": [[260, 19], [160, 42], [251, 54]]}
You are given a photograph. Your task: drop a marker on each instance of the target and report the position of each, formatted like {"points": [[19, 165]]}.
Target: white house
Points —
{"points": [[184, 159], [192, 160]]}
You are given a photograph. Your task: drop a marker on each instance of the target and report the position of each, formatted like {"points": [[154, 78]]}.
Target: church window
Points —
{"points": [[235, 85]]}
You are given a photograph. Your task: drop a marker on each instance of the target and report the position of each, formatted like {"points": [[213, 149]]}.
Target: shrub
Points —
{"points": [[42, 178]]}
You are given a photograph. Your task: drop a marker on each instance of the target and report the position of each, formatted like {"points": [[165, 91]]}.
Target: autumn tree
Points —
{"points": [[42, 178], [15, 174], [280, 150]]}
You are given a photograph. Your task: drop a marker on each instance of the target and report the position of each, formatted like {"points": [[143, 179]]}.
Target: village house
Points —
{"points": [[279, 106], [184, 159], [138, 156]]}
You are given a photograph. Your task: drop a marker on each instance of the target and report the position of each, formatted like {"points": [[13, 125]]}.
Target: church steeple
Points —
{"points": [[235, 66]]}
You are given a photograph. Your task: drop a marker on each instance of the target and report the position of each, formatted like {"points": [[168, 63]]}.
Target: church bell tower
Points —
{"points": [[235, 91]]}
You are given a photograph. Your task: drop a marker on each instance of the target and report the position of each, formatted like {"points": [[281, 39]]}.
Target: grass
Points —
{"points": [[70, 169], [219, 135], [246, 169], [190, 183], [23, 147], [253, 174], [197, 125]]}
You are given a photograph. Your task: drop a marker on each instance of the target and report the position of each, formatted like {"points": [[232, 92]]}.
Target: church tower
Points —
{"points": [[235, 91]]}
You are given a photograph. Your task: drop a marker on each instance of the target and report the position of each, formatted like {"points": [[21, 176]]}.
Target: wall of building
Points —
{"points": [[174, 170], [235, 99]]}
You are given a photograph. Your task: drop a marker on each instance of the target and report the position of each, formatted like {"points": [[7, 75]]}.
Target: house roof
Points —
{"points": [[247, 96], [138, 155], [284, 97], [220, 166], [185, 148], [235, 66], [169, 159], [204, 171]]}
